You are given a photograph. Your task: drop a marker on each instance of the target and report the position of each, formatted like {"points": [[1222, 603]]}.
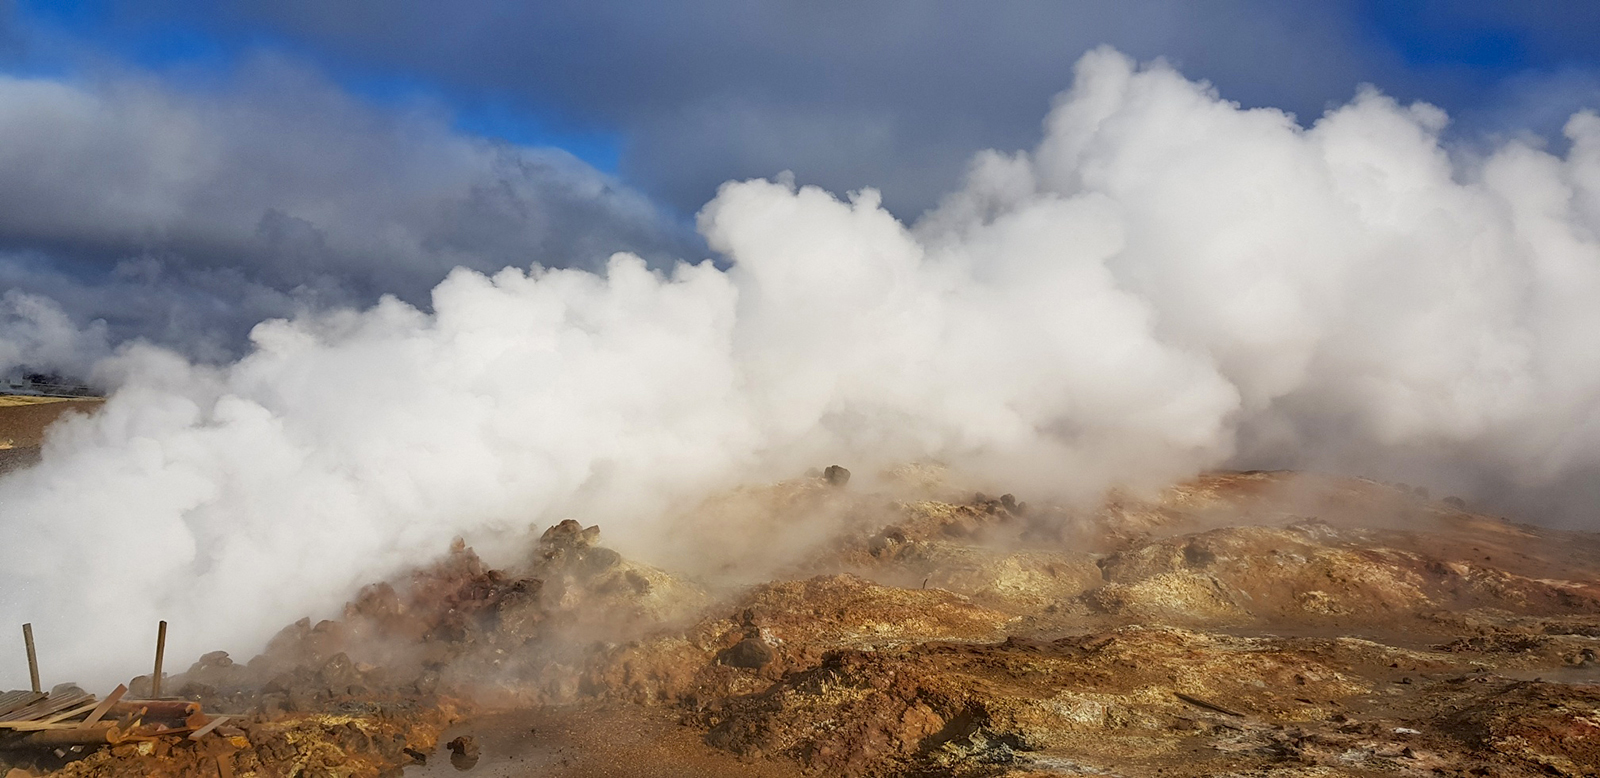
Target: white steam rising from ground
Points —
{"points": [[1168, 283]]}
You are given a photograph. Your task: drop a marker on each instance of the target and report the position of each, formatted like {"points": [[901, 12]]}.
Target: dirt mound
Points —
{"points": [[369, 693], [963, 707], [840, 610], [360, 743], [1241, 624], [1552, 726], [1311, 571]]}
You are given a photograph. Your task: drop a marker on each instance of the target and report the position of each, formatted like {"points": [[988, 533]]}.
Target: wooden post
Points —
{"points": [[33, 657], [161, 650]]}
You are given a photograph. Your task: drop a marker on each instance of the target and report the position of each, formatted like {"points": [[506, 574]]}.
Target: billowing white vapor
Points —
{"points": [[1167, 283]]}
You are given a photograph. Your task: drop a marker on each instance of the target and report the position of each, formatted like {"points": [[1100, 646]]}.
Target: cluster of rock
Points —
{"points": [[1241, 624]]}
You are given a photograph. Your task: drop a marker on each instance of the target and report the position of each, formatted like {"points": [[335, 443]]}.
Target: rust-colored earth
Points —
{"points": [[1244, 624], [24, 419]]}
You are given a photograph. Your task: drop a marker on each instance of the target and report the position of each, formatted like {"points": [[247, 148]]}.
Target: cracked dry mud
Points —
{"points": [[1249, 624]]}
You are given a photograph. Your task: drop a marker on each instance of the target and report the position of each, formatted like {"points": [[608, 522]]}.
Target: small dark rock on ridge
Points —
{"points": [[752, 652]]}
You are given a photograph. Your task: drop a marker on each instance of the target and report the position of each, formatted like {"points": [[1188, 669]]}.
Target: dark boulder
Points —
{"points": [[752, 652]]}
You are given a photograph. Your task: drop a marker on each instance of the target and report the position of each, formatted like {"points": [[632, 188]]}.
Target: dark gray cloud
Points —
{"points": [[890, 94], [188, 215]]}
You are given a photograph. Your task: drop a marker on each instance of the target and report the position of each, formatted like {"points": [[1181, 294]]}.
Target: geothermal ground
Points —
{"points": [[1262, 623], [23, 420]]}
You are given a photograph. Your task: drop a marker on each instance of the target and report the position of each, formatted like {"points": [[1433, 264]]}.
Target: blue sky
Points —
{"points": [[62, 36]]}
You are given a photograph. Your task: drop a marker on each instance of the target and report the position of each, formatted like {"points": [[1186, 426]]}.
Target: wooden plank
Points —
{"points": [[87, 706], [34, 726], [46, 707], [105, 705], [210, 725], [13, 701], [51, 722], [28, 713]]}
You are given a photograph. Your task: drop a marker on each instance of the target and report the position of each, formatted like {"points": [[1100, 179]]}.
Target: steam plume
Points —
{"points": [[1167, 283]]}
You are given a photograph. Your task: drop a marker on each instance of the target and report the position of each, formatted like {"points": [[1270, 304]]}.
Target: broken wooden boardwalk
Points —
{"points": [[70, 716]]}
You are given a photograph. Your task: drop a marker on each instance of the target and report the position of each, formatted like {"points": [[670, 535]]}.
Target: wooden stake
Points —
{"points": [[33, 657], [161, 651]]}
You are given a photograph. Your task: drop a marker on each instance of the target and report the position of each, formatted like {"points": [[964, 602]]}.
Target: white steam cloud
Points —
{"points": [[1168, 283]]}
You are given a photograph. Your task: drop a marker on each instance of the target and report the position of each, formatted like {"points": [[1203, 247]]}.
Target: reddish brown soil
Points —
{"points": [[23, 426], [1257, 624]]}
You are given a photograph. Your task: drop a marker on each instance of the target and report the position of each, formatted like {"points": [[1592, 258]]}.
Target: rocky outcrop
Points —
{"points": [[1242, 624]]}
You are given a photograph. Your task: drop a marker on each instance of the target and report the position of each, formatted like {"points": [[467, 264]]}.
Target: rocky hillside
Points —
{"points": [[1247, 624]]}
